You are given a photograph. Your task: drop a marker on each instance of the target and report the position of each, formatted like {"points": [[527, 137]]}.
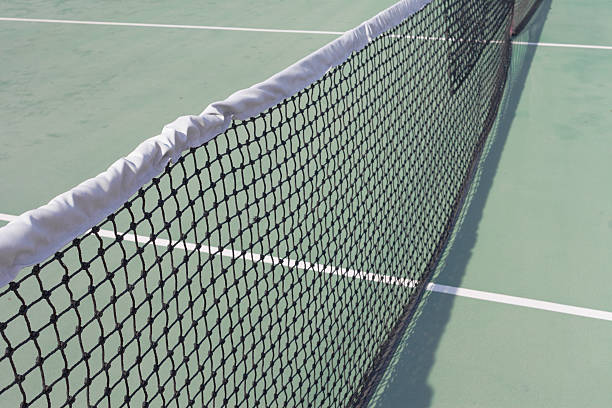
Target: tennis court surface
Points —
{"points": [[407, 216]]}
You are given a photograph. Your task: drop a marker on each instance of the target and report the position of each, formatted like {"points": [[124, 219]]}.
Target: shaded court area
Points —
{"points": [[537, 225]]}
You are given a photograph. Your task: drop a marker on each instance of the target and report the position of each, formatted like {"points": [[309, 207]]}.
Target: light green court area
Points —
{"points": [[77, 97], [74, 98]]}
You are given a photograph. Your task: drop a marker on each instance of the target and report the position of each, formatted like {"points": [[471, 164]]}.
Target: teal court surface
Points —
{"points": [[519, 311]]}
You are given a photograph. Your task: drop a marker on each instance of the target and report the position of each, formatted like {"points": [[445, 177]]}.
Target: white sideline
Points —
{"points": [[350, 273], [260, 30]]}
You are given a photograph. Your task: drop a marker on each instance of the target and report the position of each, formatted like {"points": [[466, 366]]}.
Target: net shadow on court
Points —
{"points": [[406, 378]]}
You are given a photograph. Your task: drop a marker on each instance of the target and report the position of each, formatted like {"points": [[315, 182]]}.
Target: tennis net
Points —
{"points": [[274, 264]]}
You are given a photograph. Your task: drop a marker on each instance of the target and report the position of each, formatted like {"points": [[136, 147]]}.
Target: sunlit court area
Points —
{"points": [[306, 203]]}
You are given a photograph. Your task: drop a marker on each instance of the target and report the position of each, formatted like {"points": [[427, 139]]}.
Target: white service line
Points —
{"points": [[519, 301], [350, 273], [190, 27], [271, 260], [253, 257], [262, 30], [544, 44]]}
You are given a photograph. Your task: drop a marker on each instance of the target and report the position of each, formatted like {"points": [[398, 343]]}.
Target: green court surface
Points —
{"points": [[538, 220]]}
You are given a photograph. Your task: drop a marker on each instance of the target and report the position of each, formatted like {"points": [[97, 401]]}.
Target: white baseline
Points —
{"points": [[179, 26], [349, 273]]}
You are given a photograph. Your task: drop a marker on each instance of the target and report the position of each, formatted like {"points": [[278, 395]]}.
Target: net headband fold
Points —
{"points": [[37, 234]]}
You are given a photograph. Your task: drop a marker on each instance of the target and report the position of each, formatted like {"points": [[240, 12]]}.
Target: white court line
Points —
{"points": [[253, 257], [261, 30], [190, 27], [542, 44], [519, 301], [350, 273], [271, 260]]}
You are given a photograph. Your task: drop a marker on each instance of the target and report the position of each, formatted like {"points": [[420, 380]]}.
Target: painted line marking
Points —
{"points": [[519, 301], [543, 44], [262, 30], [252, 257], [350, 273], [180, 26], [271, 260]]}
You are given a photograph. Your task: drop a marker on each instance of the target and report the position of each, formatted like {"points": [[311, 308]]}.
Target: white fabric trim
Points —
{"points": [[38, 234]]}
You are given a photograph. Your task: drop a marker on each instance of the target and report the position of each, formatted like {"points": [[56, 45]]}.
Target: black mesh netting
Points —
{"points": [[272, 265]]}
